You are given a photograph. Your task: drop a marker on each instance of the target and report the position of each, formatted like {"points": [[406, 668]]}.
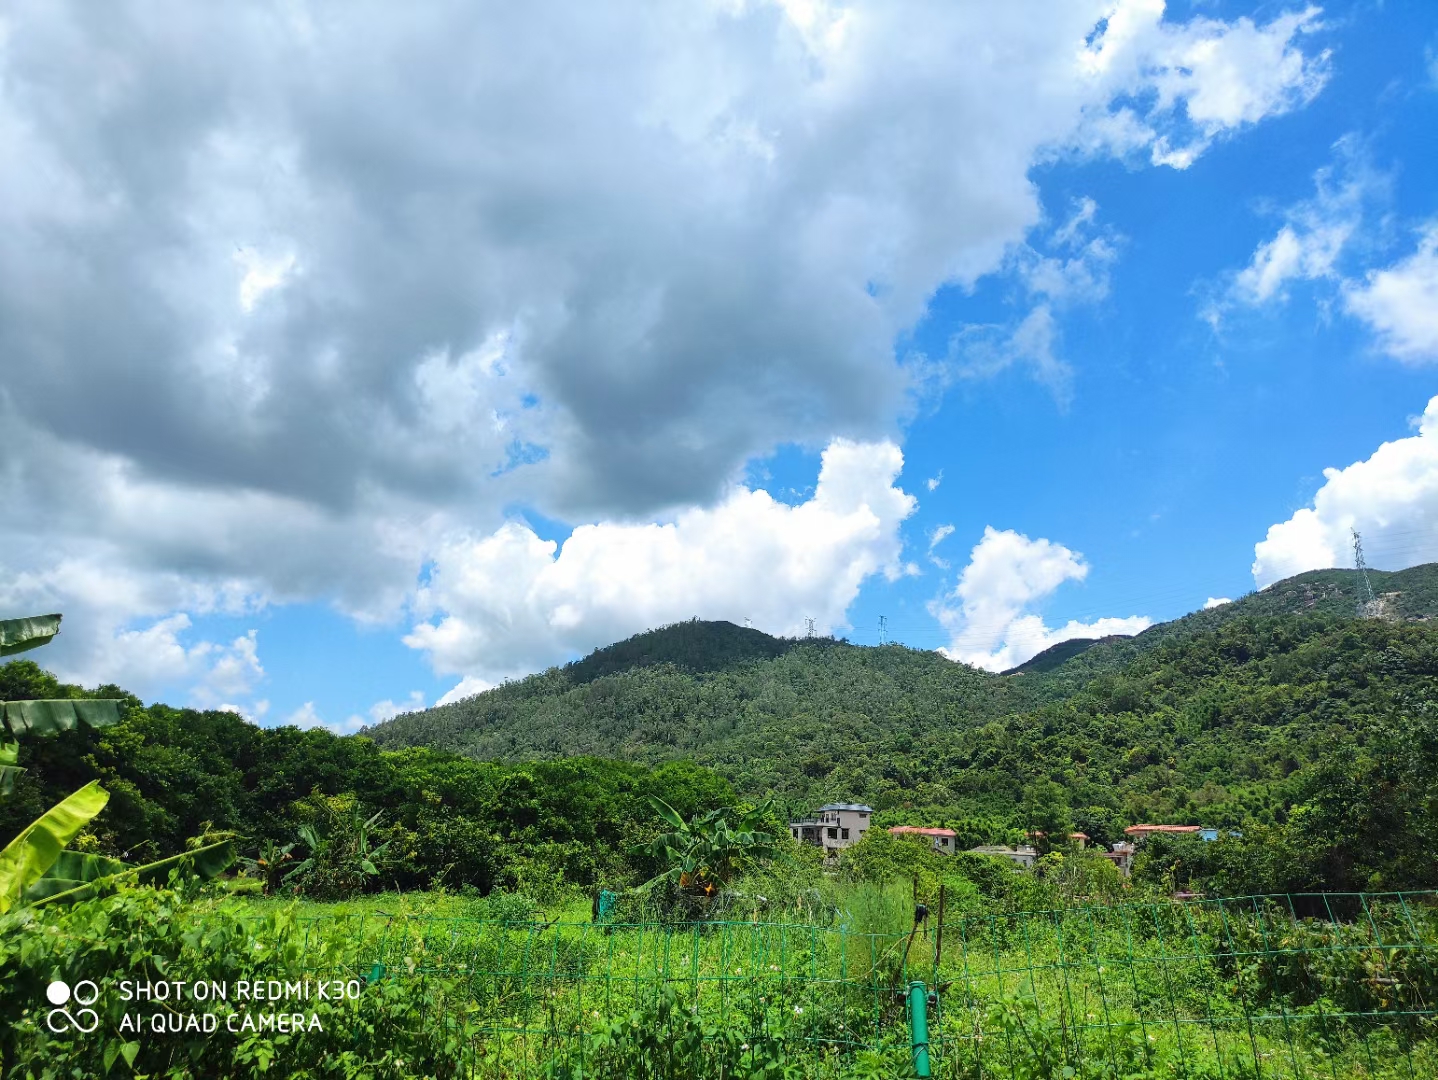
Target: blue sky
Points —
{"points": [[1074, 313]]}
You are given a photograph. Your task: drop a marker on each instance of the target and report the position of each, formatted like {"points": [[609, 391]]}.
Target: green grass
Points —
{"points": [[1336, 987], [1221, 989]]}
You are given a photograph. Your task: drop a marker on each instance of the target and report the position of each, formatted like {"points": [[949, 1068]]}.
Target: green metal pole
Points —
{"points": [[919, 1026]]}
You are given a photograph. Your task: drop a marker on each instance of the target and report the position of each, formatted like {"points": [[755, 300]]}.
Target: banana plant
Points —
{"points": [[271, 864], [342, 855], [25, 861], [39, 718], [74, 876], [704, 854]]}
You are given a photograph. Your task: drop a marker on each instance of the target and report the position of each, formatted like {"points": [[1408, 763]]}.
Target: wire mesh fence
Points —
{"points": [[1324, 985]]}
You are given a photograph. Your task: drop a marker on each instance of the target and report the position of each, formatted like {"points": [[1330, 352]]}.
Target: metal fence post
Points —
{"points": [[919, 1026]]}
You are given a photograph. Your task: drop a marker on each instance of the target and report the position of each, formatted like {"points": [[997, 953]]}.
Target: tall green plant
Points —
{"points": [[705, 853], [343, 855], [25, 861]]}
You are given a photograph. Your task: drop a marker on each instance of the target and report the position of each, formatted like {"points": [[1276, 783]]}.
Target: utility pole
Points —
{"points": [[883, 629], [1367, 602], [808, 628]]}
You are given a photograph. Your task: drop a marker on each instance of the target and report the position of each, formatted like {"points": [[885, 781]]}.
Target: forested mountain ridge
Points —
{"points": [[1209, 716], [1283, 715], [1404, 595]]}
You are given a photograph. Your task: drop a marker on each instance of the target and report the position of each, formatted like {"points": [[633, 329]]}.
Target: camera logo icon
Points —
{"points": [[60, 1019]]}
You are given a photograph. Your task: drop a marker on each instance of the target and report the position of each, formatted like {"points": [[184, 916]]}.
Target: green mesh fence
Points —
{"points": [[1327, 985]]}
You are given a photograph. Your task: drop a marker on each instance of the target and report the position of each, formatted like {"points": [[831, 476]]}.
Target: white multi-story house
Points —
{"points": [[834, 826]]}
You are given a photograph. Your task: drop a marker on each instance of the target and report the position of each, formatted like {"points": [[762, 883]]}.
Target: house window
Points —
{"points": [[845, 833], [833, 834]]}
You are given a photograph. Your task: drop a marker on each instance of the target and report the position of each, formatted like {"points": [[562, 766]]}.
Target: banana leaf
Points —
{"points": [[205, 862], [17, 635], [27, 858], [72, 870], [46, 717], [9, 769]]}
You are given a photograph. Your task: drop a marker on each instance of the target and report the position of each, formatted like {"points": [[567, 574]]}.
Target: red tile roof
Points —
{"points": [[1140, 830], [921, 831]]}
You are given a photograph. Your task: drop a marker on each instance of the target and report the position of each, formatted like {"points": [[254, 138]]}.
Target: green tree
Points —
{"points": [[1047, 815]]}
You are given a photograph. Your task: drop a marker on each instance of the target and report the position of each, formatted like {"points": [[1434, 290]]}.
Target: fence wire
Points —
{"points": [[1286, 987]]}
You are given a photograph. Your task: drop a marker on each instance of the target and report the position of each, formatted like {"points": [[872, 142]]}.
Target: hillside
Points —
{"points": [[1405, 595], [1212, 712]]}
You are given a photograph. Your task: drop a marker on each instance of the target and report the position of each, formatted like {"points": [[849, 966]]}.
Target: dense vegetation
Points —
{"points": [[1280, 716], [465, 868], [448, 820]]}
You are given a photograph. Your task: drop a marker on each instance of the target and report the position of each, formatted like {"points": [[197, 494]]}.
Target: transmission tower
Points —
{"points": [[1367, 602], [808, 628], [883, 629]]}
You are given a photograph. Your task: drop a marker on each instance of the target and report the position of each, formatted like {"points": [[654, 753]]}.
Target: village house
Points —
{"points": [[834, 826], [945, 840]]}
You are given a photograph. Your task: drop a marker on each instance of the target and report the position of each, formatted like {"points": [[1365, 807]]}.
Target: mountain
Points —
{"points": [[1406, 595], [1209, 715]]}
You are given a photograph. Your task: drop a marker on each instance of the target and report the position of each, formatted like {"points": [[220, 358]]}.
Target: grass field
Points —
{"points": [[1335, 986], [1304, 986]]}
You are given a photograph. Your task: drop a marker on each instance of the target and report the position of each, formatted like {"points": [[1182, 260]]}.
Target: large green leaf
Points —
{"points": [[46, 717], [27, 858], [17, 635], [72, 870], [204, 862], [9, 766]]}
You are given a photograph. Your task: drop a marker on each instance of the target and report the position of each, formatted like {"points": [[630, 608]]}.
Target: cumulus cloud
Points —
{"points": [[509, 602], [466, 687], [1391, 498], [306, 716], [381, 711], [311, 284], [1215, 601], [1401, 302], [987, 614]]}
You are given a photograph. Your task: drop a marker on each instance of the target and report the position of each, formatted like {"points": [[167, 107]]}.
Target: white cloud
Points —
{"points": [[509, 602], [1315, 232], [1401, 302], [933, 482], [261, 275], [1080, 258], [337, 286], [1391, 498], [1215, 601], [306, 716], [980, 352], [936, 538], [990, 626], [466, 687], [381, 711], [254, 713]]}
